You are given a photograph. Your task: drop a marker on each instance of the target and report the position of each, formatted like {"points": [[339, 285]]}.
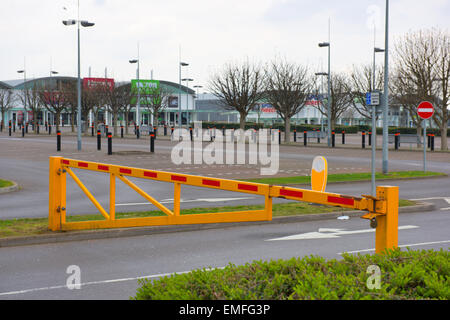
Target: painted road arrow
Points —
{"points": [[326, 233]]}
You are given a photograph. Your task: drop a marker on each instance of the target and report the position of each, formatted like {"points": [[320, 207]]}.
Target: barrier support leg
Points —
{"points": [[386, 234], [268, 207], [112, 196], [176, 199], [57, 195]]}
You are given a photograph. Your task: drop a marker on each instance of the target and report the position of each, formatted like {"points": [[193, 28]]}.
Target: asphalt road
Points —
{"points": [[26, 162], [110, 268]]}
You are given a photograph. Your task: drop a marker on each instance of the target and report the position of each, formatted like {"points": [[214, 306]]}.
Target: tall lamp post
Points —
{"points": [[322, 45], [138, 102], [182, 64], [386, 92], [374, 125], [187, 95], [25, 92], [83, 23]]}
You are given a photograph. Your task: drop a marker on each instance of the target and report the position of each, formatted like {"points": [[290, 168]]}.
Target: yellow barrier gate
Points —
{"points": [[382, 210]]}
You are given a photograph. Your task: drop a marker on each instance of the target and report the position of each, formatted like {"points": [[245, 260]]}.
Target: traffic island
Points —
{"points": [[8, 186]]}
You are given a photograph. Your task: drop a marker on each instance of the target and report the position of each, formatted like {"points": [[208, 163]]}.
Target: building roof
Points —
{"points": [[4, 85]]}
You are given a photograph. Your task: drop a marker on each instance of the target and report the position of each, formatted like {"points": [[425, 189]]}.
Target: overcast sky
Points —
{"points": [[208, 33]]}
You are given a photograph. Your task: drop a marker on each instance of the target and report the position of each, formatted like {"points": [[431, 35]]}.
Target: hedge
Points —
{"points": [[404, 275], [311, 127]]}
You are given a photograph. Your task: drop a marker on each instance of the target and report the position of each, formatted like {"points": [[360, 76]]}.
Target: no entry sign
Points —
{"points": [[425, 110]]}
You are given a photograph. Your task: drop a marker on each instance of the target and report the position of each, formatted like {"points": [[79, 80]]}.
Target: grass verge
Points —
{"points": [[36, 226], [343, 177], [421, 274], [5, 183]]}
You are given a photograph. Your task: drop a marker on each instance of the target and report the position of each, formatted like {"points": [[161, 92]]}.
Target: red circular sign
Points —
{"points": [[425, 110]]}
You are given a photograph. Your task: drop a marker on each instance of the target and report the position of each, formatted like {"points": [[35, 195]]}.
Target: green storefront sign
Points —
{"points": [[149, 91]]}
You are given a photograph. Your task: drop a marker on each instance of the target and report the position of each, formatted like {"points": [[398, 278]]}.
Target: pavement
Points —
{"points": [[111, 267]]}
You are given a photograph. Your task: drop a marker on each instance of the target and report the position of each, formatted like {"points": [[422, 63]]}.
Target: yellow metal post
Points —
{"points": [[386, 234], [57, 194], [112, 196], [176, 199], [268, 207]]}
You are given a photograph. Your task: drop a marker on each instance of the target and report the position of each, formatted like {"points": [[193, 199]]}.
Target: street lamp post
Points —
{"points": [[322, 45], [182, 64], [138, 102], [187, 95], [83, 23], [25, 93], [374, 126], [321, 102], [386, 93]]}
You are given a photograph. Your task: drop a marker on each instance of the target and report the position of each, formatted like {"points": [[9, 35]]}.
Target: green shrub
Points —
{"points": [[404, 275]]}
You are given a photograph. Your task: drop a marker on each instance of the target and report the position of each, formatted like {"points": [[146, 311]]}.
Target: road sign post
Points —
{"points": [[373, 100], [425, 111]]}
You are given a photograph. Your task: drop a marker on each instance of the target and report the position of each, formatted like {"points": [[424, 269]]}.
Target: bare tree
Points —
{"points": [[30, 99], [7, 98], [239, 87], [55, 100], [287, 88], [118, 99], [361, 82], [422, 71], [156, 101], [341, 98]]}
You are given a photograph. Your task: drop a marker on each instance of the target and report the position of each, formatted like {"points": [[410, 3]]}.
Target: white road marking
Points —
{"points": [[98, 282], [445, 209], [433, 198], [325, 233], [401, 246], [165, 201]]}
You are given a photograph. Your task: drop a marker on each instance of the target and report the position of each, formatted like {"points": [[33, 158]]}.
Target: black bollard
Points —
{"points": [[137, 132], [99, 140], [109, 143], [37, 128], [295, 135], [343, 137], [432, 142], [23, 131], [121, 131], [58, 140], [49, 129], [92, 130], [305, 138], [429, 140], [152, 142], [155, 131], [165, 130], [396, 140], [279, 136], [190, 132], [363, 139], [333, 138], [10, 128], [106, 130], [370, 138]]}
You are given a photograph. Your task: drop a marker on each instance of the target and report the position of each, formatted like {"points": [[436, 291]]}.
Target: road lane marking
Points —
{"points": [[401, 246], [166, 201], [327, 233], [160, 275]]}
